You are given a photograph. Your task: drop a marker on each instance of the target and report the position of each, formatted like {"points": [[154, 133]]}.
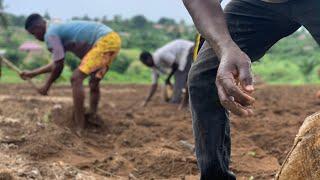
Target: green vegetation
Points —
{"points": [[8, 76], [3, 17], [294, 60]]}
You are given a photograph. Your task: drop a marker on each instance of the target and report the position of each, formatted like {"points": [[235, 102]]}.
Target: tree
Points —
{"points": [[96, 19], [104, 20], [307, 66], [47, 15], [72, 61], [117, 18], [16, 20], [121, 64], [139, 21], [166, 21], [86, 18], [3, 17]]}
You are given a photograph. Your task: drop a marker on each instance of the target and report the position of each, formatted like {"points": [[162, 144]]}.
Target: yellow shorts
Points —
{"points": [[101, 56]]}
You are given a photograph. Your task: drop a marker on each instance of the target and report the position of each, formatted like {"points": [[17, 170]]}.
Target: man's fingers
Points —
{"points": [[231, 105], [23, 77], [144, 104], [245, 99], [246, 77], [232, 90]]}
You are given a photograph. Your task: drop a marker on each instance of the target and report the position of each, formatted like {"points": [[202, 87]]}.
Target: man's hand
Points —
{"points": [[167, 82], [235, 68], [144, 104], [26, 75], [43, 90]]}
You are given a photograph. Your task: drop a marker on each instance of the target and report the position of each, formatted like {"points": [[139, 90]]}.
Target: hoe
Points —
{"points": [[16, 69]]}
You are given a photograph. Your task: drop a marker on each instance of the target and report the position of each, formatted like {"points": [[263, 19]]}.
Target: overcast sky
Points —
{"points": [[65, 9]]}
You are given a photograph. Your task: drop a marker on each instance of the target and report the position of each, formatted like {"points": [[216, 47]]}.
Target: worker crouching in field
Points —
{"points": [[174, 59], [96, 44]]}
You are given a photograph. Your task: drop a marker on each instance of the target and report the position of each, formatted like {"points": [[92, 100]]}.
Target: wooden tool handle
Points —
{"points": [[10, 65], [16, 69]]}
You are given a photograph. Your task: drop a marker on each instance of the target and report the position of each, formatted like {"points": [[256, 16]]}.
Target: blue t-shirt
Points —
{"points": [[74, 36], [77, 32]]}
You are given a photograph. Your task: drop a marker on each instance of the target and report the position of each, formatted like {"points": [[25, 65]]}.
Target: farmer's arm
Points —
{"points": [[56, 71], [153, 89], [174, 68], [56, 65], [209, 19], [57, 54], [41, 70], [234, 65]]}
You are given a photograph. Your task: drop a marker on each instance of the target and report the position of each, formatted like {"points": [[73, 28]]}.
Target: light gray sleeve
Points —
{"points": [[155, 76], [56, 48], [183, 59]]}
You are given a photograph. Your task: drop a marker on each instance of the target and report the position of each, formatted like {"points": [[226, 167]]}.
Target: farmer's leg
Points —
{"points": [[94, 84], [179, 84], [78, 98], [181, 78], [255, 28], [185, 98], [210, 121]]}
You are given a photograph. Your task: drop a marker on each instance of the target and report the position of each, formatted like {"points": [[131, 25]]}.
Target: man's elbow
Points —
{"points": [[58, 65]]}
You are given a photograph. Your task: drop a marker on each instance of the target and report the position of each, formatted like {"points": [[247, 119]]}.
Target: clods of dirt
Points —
{"points": [[37, 138]]}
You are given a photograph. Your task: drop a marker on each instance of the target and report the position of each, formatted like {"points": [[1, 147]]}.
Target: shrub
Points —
{"points": [[72, 61], [120, 64]]}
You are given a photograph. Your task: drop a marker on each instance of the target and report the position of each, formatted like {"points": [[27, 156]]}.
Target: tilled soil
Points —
{"points": [[156, 142]]}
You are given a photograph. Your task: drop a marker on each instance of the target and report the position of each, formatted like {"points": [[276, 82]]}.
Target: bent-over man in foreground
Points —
{"points": [[96, 44]]}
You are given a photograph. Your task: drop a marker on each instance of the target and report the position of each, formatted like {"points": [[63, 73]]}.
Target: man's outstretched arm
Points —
{"points": [[153, 88], [174, 68], [152, 91], [234, 65], [32, 73]]}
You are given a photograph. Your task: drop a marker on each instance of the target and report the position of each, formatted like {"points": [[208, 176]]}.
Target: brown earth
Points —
{"points": [[37, 141]]}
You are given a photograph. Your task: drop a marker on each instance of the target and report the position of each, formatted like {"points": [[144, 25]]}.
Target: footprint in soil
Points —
{"points": [[93, 120], [95, 124], [65, 117]]}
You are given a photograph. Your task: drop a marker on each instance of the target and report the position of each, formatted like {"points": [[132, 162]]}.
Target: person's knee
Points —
{"points": [[76, 80], [191, 77], [94, 85], [194, 81]]}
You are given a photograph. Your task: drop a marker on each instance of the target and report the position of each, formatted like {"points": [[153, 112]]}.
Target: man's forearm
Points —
{"points": [[169, 77], [171, 74], [42, 70], [174, 68], [56, 70], [209, 19], [152, 92]]}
